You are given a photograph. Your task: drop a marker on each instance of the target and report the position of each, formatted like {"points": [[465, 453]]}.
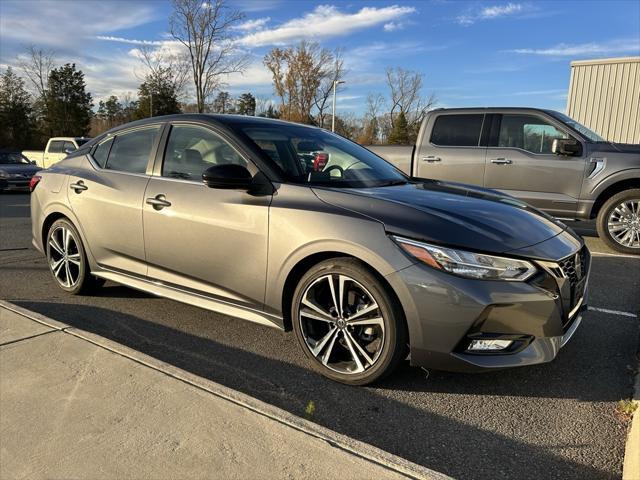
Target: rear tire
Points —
{"points": [[348, 324], [67, 259], [618, 222]]}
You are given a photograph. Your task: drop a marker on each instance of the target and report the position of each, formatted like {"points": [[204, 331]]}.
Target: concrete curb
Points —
{"points": [[335, 439], [631, 467]]}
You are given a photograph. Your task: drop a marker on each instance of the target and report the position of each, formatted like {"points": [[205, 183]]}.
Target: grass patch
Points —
{"points": [[625, 409]]}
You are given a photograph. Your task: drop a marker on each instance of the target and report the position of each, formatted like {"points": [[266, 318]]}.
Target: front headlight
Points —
{"points": [[467, 264]]}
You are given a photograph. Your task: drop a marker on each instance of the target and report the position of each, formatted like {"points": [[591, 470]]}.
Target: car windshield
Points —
{"points": [[591, 135], [313, 156], [13, 158]]}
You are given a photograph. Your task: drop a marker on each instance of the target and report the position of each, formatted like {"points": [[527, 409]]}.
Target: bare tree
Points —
{"points": [[325, 90], [160, 62], [206, 30], [405, 87], [36, 66], [297, 75]]}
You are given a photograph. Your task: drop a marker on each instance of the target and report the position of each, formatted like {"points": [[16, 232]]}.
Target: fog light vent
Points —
{"points": [[489, 345]]}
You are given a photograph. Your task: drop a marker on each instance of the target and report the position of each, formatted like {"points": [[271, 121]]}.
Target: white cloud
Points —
{"points": [[490, 13], [131, 41], [323, 22], [582, 49], [392, 26], [256, 24]]}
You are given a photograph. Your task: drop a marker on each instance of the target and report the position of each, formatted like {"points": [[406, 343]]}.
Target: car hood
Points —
{"points": [[449, 214], [14, 168], [619, 148]]}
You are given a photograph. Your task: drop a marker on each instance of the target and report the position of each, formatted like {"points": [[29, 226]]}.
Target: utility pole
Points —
{"points": [[333, 111]]}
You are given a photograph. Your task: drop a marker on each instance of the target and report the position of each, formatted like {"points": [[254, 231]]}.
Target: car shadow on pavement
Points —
{"points": [[454, 446]]}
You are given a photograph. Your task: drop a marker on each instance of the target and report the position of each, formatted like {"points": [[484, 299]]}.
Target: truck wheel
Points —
{"points": [[349, 326], [618, 222]]}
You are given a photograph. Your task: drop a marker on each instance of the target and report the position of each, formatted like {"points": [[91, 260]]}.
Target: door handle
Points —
{"points": [[501, 161], [431, 159], [78, 187], [158, 202]]}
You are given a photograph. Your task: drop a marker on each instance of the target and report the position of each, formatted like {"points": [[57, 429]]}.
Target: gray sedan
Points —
{"points": [[296, 228]]}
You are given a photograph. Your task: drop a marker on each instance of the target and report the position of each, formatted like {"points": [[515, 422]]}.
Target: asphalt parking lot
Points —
{"points": [[551, 421]]}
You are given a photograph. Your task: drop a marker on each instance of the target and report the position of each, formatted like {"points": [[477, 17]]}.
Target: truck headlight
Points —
{"points": [[467, 264]]}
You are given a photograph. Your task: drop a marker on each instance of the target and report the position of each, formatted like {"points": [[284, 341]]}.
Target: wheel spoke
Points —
{"points": [[354, 355], [66, 236], [68, 274], [333, 294], [56, 266], [316, 309], [367, 321], [75, 259], [316, 317], [55, 245], [364, 311], [362, 351], [317, 348], [327, 353]]}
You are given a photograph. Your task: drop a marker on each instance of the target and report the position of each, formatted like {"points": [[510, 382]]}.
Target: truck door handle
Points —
{"points": [[501, 161], [158, 202], [78, 187], [431, 159]]}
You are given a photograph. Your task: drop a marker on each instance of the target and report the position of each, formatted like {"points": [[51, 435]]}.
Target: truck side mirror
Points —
{"points": [[566, 146]]}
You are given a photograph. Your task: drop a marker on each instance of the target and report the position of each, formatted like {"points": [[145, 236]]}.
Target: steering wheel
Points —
{"points": [[334, 167]]}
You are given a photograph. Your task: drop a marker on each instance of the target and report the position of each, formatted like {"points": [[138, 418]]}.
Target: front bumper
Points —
{"points": [[445, 313]]}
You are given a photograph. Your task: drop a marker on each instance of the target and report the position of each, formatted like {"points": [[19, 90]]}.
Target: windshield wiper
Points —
{"points": [[391, 183]]}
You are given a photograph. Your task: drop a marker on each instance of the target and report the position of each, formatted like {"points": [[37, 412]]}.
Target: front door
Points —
{"points": [[520, 163], [107, 200], [209, 240]]}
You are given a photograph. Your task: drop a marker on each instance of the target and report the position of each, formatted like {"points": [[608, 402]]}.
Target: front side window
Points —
{"points": [[457, 130], [312, 156], [192, 149], [529, 133], [56, 146], [130, 150]]}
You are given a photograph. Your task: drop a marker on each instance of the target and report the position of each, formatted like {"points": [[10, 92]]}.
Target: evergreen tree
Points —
{"points": [[110, 111], [400, 133], [247, 104], [270, 112], [157, 95], [16, 114], [68, 104]]}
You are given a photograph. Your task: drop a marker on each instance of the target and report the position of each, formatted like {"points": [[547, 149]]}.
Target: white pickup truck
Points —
{"points": [[57, 148]]}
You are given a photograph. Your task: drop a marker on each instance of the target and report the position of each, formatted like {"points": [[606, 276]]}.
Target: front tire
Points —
{"points": [[618, 222], [348, 324], [67, 259]]}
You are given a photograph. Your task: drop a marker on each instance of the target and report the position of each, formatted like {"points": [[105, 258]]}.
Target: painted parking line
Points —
{"points": [[613, 312], [622, 255]]}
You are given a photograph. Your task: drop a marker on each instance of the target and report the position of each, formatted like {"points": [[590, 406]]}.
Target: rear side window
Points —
{"points": [[457, 130], [69, 147], [56, 146], [101, 152], [130, 150]]}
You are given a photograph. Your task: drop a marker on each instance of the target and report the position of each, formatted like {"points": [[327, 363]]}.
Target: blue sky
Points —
{"points": [[471, 53]]}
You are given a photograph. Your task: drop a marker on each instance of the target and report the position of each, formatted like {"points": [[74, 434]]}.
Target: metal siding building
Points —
{"points": [[604, 95]]}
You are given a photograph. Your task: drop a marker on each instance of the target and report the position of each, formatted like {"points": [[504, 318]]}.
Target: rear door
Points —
{"points": [[520, 163], [205, 239], [453, 150], [107, 197]]}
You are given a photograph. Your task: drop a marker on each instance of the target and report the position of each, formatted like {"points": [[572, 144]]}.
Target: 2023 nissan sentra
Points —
{"points": [[297, 228]]}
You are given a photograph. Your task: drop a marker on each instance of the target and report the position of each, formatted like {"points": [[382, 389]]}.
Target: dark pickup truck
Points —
{"points": [[540, 156]]}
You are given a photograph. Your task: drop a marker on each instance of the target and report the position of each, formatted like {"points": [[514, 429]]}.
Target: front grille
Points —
{"points": [[571, 276]]}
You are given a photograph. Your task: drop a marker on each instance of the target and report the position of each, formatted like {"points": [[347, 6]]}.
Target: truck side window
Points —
{"points": [[457, 130], [56, 146], [529, 133]]}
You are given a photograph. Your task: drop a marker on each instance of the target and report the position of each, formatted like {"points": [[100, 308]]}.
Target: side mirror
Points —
{"points": [[566, 146], [227, 176]]}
